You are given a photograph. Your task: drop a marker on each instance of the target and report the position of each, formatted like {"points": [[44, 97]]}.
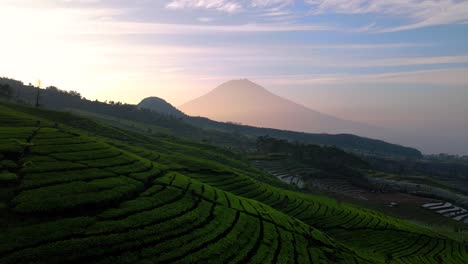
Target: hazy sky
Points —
{"points": [[392, 63]]}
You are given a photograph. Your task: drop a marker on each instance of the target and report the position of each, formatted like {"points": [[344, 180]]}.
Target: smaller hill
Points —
{"points": [[160, 106]]}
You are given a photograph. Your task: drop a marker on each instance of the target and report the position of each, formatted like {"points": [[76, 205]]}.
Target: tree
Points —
{"points": [[52, 88], [38, 86], [5, 91], [74, 94]]}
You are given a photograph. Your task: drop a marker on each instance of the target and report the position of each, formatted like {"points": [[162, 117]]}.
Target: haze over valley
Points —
{"points": [[246, 102]]}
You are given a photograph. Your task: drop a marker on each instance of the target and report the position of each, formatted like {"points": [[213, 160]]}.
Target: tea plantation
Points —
{"points": [[76, 191]]}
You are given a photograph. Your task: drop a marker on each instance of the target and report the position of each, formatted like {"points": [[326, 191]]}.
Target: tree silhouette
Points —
{"points": [[5, 91], [38, 86]]}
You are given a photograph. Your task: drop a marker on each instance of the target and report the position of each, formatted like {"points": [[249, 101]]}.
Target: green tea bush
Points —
{"points": [[269, 245], [163, 237], [51, 166], [197, 238], [110, 162], [163, 197], [61, 141], [54, 134], [37, 158], [11, 148], [7, 177], [36, 180], [231, 242], [37, 234], [134, 167], [96, 193], [48, 149], [87, 155], [146, 175], [8, 164], [144, 218]]}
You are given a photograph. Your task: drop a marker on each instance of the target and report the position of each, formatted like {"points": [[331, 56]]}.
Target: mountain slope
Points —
{"points": [[248, 103], [160, 106]]}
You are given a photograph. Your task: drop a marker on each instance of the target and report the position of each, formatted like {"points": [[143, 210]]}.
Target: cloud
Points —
{"points": [[403, 61], [205, 19], [268, 3], [118, 28], [457, 77], [443, 77], [220, 5], [419, 13], [99, 21], [227, 6]]}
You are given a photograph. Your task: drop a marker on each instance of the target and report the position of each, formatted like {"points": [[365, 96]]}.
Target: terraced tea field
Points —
{"points": [[302, 176], [343, 222], [78, 199], [448, 210], [77, 194]]}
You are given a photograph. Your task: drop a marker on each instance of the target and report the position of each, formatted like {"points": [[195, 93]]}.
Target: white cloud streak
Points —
{"points": [[220, 5], [227, 6], [456, 77], [420, 13]]}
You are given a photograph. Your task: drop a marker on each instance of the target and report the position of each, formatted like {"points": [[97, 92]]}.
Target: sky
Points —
{"points": [[396, 64]]}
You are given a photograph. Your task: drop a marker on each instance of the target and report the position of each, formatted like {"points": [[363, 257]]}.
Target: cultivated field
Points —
{"points": [[76, 191]]}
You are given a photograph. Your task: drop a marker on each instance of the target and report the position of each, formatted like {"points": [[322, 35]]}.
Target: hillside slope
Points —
{"points": [[80, 191], [74, 198], [195, 128]]}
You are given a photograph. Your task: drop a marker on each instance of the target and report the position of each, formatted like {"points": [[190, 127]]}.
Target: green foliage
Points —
{"points": [[143, 203], [8, 164], [319, 156], [7, 177], [67, 196], [6, 91], [49, 149], [10, 147], [46, 166], [87, 155], [50, 178], [35, 234]]}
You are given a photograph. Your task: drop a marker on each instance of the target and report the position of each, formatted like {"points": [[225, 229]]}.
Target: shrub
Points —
{"points": [[144, 176], [48, 149], [11, 147], [7, 177], [135, 167], [166, 196], [40, 233], [36, 167], [87, 155], [8, 164], [48, 178], [110, 162], [73, 195], [62, 141]]}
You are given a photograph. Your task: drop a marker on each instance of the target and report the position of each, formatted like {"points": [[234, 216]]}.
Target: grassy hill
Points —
{"points": [[76, 190]]}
